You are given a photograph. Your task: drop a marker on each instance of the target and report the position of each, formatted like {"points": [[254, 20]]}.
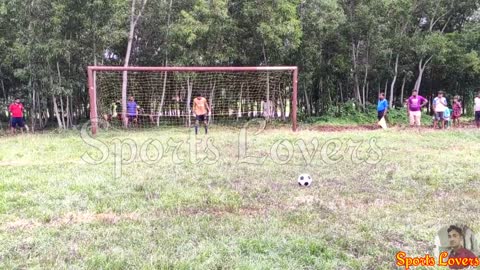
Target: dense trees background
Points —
{"points": [[347, 50]]}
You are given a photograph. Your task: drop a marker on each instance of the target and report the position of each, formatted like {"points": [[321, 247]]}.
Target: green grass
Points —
{"points": [[56, 211]]}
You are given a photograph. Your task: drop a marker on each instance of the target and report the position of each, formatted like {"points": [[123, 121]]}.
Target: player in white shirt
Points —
{"points": [[439, 107], [477, 110]]}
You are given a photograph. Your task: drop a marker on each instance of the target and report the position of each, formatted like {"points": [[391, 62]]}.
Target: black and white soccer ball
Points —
{"points": [[304, 180]]}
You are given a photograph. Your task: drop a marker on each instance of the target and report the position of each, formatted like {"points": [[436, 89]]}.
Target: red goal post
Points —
{"points": [[118, 71]]}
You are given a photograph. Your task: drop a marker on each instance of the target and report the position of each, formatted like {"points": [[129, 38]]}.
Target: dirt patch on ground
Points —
{"points": [[71, 219], [372, 127], [21, 224], [331, 128], [19, 163], [77, 218], [214, 211]]}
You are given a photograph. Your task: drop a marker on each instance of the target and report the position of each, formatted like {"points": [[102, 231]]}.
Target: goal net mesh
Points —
{"points": [[156, 98]]}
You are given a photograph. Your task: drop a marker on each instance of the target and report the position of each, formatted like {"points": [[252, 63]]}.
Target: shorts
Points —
{"points": [[439, 116], [132, 117], [415, 118], [380, 115], [477, 116], [17, 121], [201, 118]]}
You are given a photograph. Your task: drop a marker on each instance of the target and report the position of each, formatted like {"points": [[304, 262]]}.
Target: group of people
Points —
{"points": [[443, 115]]}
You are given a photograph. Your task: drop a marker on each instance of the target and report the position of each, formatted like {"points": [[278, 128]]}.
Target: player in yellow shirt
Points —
{"points": [[201, 110]]}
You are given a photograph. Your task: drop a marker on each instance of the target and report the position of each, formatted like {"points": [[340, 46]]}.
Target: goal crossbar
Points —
{"points": [[92, 70], [190, 69]]}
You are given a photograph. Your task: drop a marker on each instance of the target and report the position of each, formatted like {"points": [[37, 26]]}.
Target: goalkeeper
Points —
{"points": [[201, 109]]}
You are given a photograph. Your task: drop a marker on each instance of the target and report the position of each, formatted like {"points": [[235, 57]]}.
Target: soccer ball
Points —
{"points": [[304, 180]]}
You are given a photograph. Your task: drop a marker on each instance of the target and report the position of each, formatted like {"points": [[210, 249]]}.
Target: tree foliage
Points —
{"points": [[345, 49]]}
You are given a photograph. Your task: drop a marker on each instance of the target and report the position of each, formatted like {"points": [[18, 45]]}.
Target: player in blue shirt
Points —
{"points": [[132, 111], [382, 107]]}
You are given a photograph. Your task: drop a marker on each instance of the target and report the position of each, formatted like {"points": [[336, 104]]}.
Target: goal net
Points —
{"points": [[148, 97]]}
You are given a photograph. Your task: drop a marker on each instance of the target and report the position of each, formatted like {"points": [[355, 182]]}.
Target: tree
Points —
{"points": [[134, 17]]}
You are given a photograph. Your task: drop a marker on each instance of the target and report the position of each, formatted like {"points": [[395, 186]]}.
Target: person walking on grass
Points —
{"points": [[439, 107], [414, 106], [16, 113], [477, 110], [457, 111]]}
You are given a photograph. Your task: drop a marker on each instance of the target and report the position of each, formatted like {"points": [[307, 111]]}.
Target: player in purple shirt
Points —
{"points": [[414, 105]]}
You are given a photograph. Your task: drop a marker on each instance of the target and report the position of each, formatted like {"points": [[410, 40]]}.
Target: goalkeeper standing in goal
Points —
{"points": [[201, 110]]}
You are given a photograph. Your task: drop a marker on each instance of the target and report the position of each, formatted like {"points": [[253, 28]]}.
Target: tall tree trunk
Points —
{"points": [[364, 86], [341, 92], [133, 22], [162, 100], [368, 90], [366, 74], [62, 112], [57, 114], [127, 60], [392, 87], [211, 102], [67, 108], [356, 85], [283, 104], [61, 98], [33, 110], [71, 114], [239, 105], [402, 91], [40, 113], [273, 108], [3, 90], [307, 101], [421, 70], [320, 87]]}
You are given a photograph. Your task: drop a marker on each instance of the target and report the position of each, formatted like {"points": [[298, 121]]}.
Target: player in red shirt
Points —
{"points": [[16, 113], [455, 236]]}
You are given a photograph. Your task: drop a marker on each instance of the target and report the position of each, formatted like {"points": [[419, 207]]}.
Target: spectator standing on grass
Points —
{"points": [[457, 111], [447, 117], [382, 107], [477, 110], [414, 106], [439, 107], [16, 114]]}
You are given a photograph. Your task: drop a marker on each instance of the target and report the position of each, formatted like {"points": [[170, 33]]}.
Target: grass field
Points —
{"points": [[58, 211]]}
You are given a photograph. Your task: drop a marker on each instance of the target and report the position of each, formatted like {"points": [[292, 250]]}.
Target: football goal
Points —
{"points": [[142, 97]]}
